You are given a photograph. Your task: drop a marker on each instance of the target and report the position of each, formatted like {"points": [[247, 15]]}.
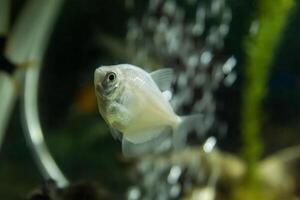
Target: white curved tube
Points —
{"points": [[33, 130]]}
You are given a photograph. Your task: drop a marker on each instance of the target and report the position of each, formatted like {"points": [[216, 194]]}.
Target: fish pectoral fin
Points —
{"points": [[142, 136], [156, 145], [163, 78], [116, 134]]}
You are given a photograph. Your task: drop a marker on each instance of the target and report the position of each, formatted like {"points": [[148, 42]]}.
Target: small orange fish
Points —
{"points": [[85, 99]]}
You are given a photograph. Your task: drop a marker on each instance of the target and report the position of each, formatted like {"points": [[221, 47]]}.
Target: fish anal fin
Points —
{"points": [[156, 145], [145, 135]]}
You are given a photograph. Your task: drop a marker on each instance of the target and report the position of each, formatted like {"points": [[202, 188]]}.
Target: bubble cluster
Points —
{"points": [[188, 36], [171, 176]]}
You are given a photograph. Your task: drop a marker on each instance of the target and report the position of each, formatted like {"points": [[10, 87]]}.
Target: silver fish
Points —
{"points": [[134, 103]]}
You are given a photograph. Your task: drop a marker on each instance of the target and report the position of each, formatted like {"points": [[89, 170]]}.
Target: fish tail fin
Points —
{"points": [[187, 124]]}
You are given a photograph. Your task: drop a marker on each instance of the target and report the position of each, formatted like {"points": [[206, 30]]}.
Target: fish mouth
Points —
{"points": [[99, 88], [99, 75]]}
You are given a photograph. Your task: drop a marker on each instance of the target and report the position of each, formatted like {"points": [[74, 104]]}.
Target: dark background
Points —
{"points": [[75, 132]]}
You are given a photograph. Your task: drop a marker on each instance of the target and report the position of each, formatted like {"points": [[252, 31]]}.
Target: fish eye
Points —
{"points": [[111, 76]]}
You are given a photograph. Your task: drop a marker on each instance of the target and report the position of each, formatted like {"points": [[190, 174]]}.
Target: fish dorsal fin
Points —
{"points": [[163, 78]]}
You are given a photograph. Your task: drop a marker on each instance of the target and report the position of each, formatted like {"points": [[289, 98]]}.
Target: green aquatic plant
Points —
{"points": [[272, 17]]}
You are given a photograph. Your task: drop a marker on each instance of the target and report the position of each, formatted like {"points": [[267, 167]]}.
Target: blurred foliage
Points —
{"points": [[260, 47]]}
